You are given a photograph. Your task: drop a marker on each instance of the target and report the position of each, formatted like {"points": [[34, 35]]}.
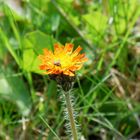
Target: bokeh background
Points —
{"points": [[106, 89]]}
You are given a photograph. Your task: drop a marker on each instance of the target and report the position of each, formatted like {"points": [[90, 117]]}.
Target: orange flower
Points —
{"points": [[63, 60]]}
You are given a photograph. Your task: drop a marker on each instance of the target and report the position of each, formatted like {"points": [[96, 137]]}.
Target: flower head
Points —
{"points": [[63, 60]]}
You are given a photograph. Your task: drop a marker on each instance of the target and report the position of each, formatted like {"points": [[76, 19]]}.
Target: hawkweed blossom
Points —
{"points": [[63, 60], [61, 65]]}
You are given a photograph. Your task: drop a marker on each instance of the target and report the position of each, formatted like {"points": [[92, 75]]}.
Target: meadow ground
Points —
{"points": [[106, 90]]}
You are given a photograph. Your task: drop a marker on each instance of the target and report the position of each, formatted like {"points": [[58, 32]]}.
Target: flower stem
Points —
{"points": [[71, 116]]}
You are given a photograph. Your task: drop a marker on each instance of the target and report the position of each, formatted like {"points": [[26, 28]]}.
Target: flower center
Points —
{"points": [[57, 63]]}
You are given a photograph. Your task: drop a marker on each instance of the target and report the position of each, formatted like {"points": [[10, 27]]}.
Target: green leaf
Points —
{"points": [[13, 89], [96, 21], [34, 43]]}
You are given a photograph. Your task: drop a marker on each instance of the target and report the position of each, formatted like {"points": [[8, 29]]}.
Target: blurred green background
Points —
{"points": [[106, 89]]}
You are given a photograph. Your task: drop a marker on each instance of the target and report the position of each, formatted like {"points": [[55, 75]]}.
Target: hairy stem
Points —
{"points": [[71, 116]]}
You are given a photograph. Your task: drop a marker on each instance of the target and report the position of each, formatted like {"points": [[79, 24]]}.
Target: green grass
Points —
{"points": [[106, 89]]}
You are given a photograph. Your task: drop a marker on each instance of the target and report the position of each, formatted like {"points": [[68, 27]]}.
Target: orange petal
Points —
{"points": [[68, 47], [84, 59], [41, 57], [68, 73], [57, 49], [76, 67], [78, 57], [43, 67], [47, 52], [76, 52]]}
